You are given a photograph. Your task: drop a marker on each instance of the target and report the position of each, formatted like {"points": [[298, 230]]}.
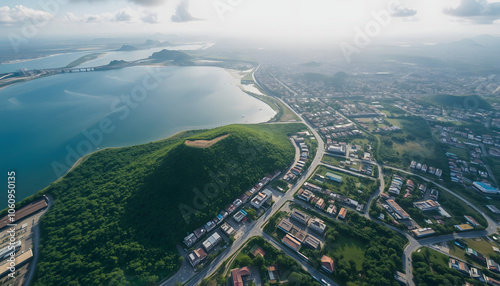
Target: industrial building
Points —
{"points": [[312, 242], [24, 212], [428, 205], [291, 242], [485, 188], [300, 217], [20, 261], [334, 177], [398, 210], [285, 225], [317, 225]]}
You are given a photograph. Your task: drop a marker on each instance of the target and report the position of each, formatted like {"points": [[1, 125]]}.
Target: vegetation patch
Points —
{"points": [[354, 187], [413, 142], [117, 217], [431, 268]]}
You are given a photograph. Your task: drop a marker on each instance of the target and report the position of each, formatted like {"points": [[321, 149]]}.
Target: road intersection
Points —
{"points": [[255, 228]]}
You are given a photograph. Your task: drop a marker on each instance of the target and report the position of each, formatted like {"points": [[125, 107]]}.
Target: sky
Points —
{"points": [[270, 20]]}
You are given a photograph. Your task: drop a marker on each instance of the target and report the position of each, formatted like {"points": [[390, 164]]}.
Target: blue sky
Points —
{"points": [[335, 20]]}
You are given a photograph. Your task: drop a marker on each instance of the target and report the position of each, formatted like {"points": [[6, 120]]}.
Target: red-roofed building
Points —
{"points": [[327, 264], [342, 213], [471, 221], [237, 275], [291, 242], [256, 250]]}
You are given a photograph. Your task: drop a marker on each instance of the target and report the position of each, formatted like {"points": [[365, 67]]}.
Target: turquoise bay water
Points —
{"points": [[46, 124], [54, 61]]}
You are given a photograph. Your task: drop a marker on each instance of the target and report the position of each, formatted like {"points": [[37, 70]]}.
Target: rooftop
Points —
{"points": [[237, 275], [327, 263], [291, 242], [24, 212]]}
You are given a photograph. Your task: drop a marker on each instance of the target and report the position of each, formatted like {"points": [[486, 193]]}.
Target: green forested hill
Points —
{"points": [[458, 101], [117, 217]]}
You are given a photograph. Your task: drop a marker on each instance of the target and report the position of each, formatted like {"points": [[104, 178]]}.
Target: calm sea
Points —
{"points": [[48, 123]]}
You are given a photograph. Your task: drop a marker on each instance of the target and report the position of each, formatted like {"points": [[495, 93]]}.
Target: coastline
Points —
{"points": [[239, 75], [236, 74], [44, 57]]}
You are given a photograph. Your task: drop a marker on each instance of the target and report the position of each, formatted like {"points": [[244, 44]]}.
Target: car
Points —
{"points": [[324, 282], [316, 278]]}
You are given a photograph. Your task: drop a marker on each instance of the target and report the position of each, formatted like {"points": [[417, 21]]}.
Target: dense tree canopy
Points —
{"points": [[117, 217]]}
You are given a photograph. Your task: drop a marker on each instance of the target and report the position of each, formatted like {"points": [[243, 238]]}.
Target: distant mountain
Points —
{"points": [[311, 64], [457, 101], [466, 43], [127, 48], [117, 63], [156, 43], [168, 55], [487, 41]]}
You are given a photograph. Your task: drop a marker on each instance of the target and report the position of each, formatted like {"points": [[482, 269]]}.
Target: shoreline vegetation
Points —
{"points": [[84, 59], [283, 113]]}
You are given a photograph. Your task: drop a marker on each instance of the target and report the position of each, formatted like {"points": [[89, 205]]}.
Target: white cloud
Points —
{"points": [[398, 10], [182, 13], [480, 11], [20, 14], [125, 15], [138, 2], [151, 18]]}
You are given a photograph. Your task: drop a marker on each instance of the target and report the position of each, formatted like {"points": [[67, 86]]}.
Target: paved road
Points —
{"points": [[255, 228], [487, 166], [306, 266], [416, 244], [36, 244]]}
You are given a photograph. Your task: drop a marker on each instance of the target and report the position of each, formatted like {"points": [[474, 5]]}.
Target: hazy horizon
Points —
{"points": [[293, 22]]}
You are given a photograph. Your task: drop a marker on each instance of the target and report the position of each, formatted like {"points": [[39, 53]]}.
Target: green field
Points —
{"points": [[431, 268], [454, 206], [349, 187], [365, 253], [495, 167], [457, 101], [481, 245], [142, 200], [350, 249], [414, 142], [331, 160]]}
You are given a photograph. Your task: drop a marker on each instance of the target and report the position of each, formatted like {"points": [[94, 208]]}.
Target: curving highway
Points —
{"points": [[187, 277]]}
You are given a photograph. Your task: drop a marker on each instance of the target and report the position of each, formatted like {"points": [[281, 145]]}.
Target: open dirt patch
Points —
{"points": [[204, 143]]}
